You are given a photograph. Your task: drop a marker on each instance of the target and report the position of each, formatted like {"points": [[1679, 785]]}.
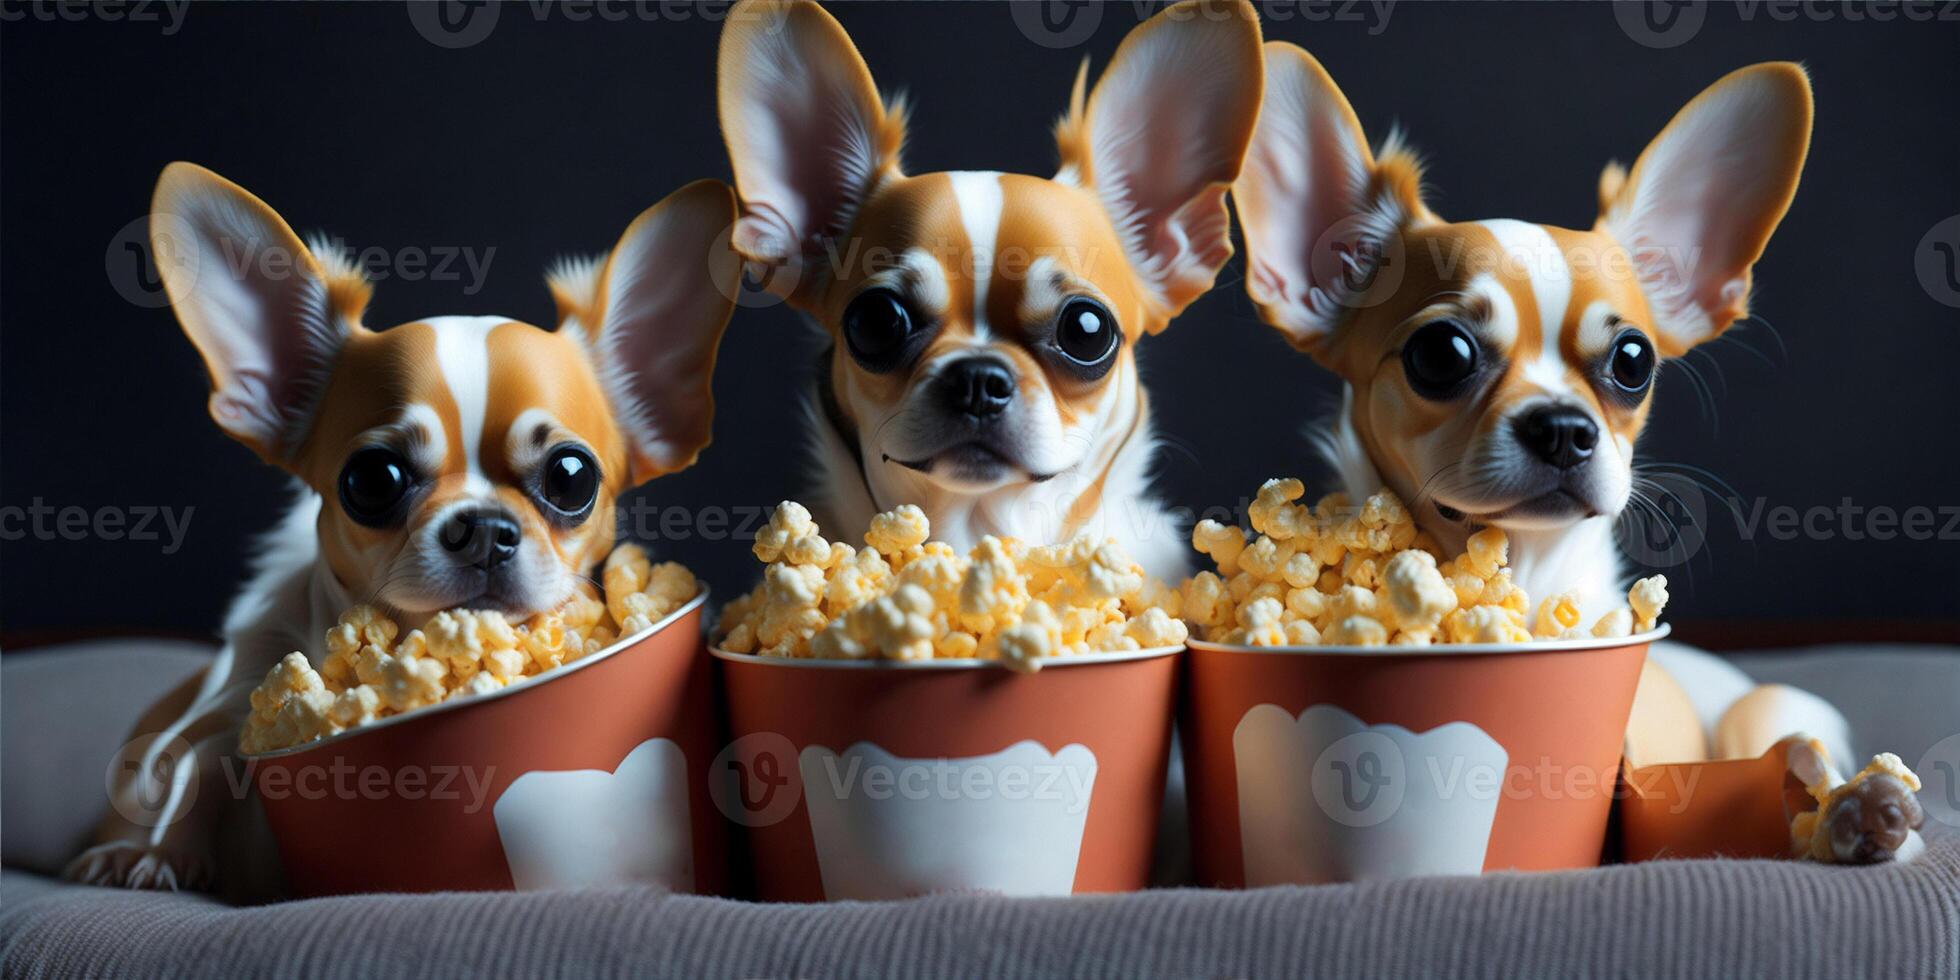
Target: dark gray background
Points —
{"points": [[549, 134]]}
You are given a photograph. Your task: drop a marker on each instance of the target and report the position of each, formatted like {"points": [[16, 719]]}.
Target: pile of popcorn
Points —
{"points": [[903, 597], [372, 670], [1338, 575]]}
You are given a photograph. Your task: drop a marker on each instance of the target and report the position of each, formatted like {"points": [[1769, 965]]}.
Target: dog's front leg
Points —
{"points": [[171, 788]]}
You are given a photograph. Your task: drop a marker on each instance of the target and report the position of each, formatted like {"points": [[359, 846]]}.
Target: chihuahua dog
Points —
{"points": [[1499, 372], [983, 326], [452, 461]]}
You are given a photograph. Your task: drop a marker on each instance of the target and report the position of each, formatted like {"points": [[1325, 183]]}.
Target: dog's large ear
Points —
{"points": [[652, 312], [1702, 200], [1162, 138], [807, 134], [1319, 212], [268, 316]]}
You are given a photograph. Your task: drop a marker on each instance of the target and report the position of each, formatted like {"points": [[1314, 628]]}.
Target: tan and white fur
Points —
{"points": [[981, 413], [470, 441], [1499, 372]]}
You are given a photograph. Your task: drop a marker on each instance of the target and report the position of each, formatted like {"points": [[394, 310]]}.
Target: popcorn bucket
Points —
{"points": [[1321, 764], [888, 779], [593, 774]]}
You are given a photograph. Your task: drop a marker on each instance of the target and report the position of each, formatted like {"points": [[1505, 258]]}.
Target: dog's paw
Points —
{"points": [[144, 867]]}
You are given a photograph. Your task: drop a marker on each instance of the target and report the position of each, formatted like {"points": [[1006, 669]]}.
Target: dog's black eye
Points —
{"points": [[570, 481], [1631, 361], [373, 485], [1439, 358], [876, 327], [1086, 332]]}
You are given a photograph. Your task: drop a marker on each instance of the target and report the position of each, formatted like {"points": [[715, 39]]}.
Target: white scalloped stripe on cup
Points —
{"points": [[1328, 798], [887, 827], [587, 827]]}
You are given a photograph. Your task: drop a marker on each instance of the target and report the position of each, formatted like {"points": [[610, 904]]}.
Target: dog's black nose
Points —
{"points": [[482, 538], [981, 387], [1561, 435]]}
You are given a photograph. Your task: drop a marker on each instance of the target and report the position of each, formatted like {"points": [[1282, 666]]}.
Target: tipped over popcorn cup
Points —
{"points": [[475, 754], [1360, 707], [910, 720]]}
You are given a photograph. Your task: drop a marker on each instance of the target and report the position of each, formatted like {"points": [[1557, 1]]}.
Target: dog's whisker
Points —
{"points": [[1703, 479], [1735, 336], [1422, 496], [1704, 395]]}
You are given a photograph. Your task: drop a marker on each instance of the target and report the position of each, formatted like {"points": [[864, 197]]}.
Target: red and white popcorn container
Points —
{"points": [[879, 779], [1322, 764], [595, 773]]}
